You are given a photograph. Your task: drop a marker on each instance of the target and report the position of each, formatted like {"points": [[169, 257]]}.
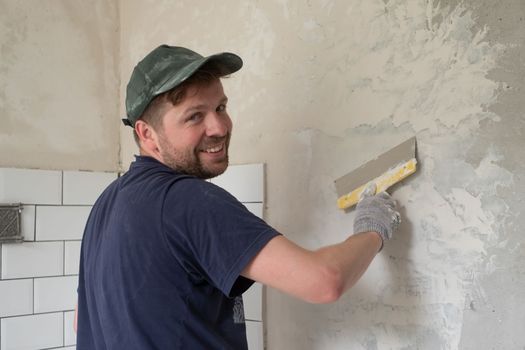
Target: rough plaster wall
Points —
{"points": [[59, 84], [326, 86]]}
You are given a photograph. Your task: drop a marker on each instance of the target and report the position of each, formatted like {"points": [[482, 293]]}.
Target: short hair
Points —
{"points": [[153, 114]]}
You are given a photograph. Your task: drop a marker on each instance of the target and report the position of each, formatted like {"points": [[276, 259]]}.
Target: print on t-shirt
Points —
{"points": [[238, 310]]}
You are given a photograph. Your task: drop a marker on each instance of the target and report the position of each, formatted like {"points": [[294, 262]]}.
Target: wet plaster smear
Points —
{"points": [[328, 85]]}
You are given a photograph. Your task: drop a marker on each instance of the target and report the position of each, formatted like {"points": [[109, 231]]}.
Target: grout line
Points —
{"points": [[57, 240], [60, 347], [58, 276], [39, 313], [62, 205], [37, 277], [48, 241]]}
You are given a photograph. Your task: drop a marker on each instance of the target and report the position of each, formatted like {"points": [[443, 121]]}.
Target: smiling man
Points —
{"points": [[194, 135], [166, 255]]}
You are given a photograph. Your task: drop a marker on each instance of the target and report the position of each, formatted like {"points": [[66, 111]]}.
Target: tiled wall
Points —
{"points": [[38, 278], [246, 183]]}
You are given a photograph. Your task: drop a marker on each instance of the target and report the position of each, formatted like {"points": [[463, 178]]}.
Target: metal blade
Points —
{"points": [[376, 167]]}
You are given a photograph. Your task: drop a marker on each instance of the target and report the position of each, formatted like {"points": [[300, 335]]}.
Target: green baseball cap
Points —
{"points": [[165, 68]]}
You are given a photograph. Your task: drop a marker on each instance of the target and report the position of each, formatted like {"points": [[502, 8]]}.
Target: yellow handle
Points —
{"points": [[382, 182]]}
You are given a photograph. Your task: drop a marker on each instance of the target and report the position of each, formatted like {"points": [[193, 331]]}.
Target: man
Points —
{"points": [[166, 255]]}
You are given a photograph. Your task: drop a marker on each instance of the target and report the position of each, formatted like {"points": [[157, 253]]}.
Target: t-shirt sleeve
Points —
{"points": [[212, 234]]}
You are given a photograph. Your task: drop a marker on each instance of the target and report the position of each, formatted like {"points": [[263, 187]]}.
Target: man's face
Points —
{"points": [[195, 133]]}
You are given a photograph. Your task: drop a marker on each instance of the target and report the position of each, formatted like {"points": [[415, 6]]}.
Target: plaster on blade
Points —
{"points": [[386, 170]]}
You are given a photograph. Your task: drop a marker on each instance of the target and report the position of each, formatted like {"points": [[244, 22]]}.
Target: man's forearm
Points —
{"points": [[352, 257]]}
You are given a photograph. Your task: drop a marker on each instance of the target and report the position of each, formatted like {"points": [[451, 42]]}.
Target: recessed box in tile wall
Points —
{"points": [[60, 222], [29, 186], [244, 182], [55, 293], [10, 223], [84, 187], [32, 332], [32, 259], [16, 297]]}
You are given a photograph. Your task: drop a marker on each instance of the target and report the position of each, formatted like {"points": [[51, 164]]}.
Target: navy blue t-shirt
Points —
{"points": [[160, 263]]}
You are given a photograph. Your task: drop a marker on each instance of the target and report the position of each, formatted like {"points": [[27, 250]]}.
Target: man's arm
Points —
{"points": [[320, 276], [323, 275]]}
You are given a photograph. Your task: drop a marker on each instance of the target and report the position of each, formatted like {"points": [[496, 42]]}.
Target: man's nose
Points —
{"points": [[217, 124]]}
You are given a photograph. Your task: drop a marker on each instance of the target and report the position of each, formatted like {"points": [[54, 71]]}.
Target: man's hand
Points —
{"points": [[376, 213]]}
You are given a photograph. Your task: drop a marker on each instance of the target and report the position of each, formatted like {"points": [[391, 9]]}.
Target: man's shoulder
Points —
{"points": [[199, 188], [148, 170]]}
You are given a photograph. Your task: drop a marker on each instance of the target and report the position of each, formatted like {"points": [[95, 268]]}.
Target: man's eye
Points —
{"points": [[194, 117], [221, 108]]}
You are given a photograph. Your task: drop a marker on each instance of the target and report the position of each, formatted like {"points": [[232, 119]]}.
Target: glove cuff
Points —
{"points": [[369, 225]]}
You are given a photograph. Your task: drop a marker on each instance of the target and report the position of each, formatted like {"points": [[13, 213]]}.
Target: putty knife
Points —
{"points": [[386, 170]]}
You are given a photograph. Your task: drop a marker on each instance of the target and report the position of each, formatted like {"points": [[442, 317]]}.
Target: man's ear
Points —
{"points": [[148, 137]]}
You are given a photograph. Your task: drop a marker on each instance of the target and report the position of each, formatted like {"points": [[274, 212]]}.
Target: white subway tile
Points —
{"points": [[32, 332], [28, 222], [30, 186], [32, 259], [70, 336], [60, 222], [16, 297], [72, 257], [244, 182], [55, 293], [84, 187], [252, 300], [255, 208], [254, 335]]}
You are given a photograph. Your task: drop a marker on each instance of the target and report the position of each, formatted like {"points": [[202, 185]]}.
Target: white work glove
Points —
{"points": [[376, 213]]}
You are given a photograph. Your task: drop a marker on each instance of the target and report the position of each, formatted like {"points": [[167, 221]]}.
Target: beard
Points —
{"points": [[187, 161]]}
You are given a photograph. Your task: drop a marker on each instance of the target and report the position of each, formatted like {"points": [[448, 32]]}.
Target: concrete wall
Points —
{"points": [[328, 85], [59, 84]]}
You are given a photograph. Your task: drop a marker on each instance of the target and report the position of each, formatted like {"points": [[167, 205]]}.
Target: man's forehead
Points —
{"points": [[204, 94]]}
